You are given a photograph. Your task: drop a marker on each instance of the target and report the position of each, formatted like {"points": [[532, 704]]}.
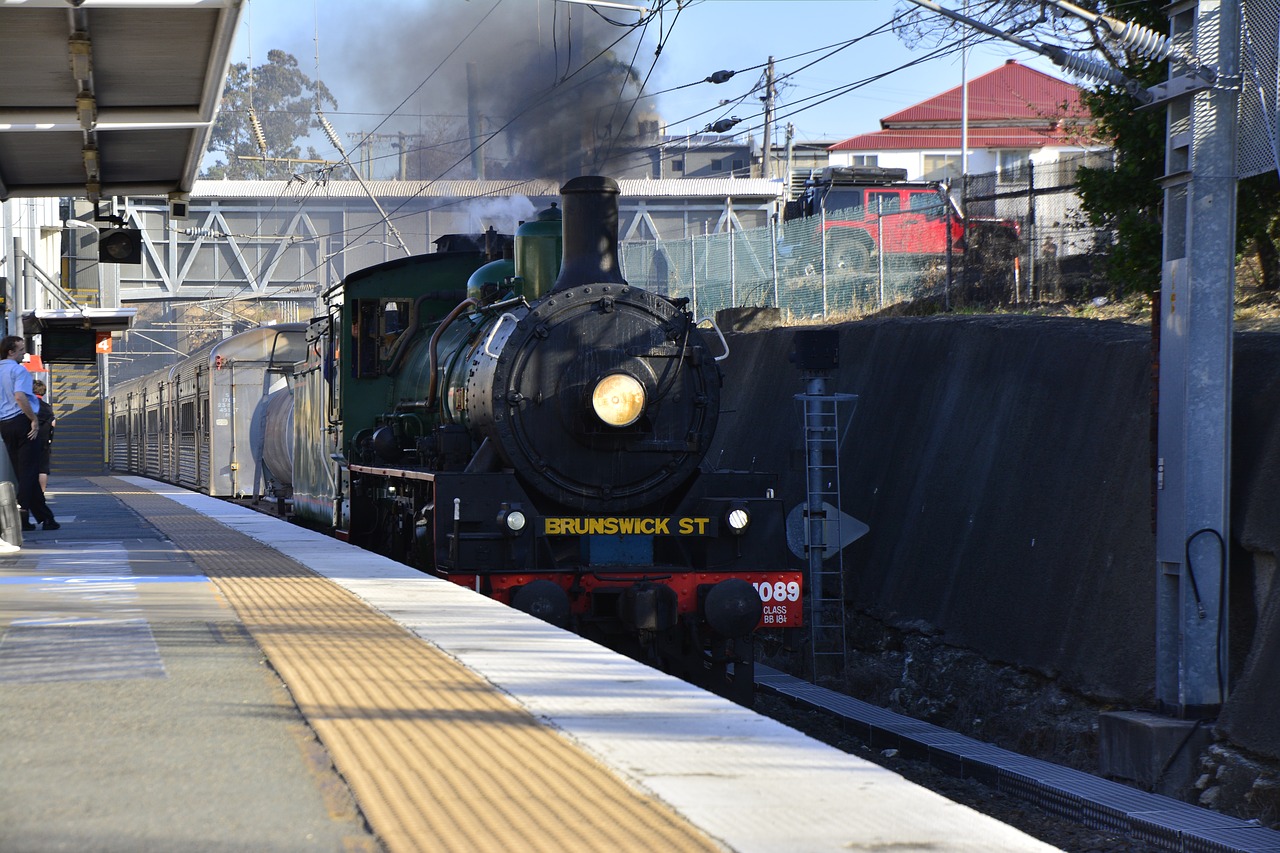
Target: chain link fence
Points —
{"points": [[1058, 255], [1259, 141], [1025, 239]]}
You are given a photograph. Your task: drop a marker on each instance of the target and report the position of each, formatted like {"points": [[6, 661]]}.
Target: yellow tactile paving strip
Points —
{"points": [[436, 757]]}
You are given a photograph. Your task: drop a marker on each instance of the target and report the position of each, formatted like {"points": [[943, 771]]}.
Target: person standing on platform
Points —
{"points": [[45, 439], [19, 427]]}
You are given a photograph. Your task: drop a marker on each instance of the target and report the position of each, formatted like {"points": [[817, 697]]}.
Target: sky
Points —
{"points": [[393, 64]]}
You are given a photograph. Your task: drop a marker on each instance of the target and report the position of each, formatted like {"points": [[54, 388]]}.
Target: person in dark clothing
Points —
{"points": [[46, 421], [19, 427]]}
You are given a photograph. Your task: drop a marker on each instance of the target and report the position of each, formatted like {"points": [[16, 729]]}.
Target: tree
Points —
{"points": [[285, 102], [1128, 199], [1258, 226]]}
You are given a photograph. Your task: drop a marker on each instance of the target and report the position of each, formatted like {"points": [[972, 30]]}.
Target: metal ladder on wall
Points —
{"points": [[823, 416]]}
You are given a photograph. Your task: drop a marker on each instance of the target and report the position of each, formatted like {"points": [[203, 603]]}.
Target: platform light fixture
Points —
{"points": [[92, 168], [80, 50], [606, 4], [179, 205], [86, 110]]}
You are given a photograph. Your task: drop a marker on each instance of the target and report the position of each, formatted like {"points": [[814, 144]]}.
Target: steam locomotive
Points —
{"points": [[539, 436]]}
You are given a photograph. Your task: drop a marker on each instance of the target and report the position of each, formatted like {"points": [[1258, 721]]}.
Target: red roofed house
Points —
{"points": [[1016, 114]]}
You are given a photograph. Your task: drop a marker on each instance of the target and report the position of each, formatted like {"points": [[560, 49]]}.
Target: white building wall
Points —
{"points": [[35, 228], [980, 159]]}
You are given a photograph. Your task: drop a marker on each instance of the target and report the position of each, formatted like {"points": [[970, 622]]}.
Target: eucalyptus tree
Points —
{"points": [[266, 113]]}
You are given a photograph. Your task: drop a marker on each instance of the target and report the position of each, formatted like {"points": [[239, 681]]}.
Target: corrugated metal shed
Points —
{"points": [[109, 97], [716, 188]]}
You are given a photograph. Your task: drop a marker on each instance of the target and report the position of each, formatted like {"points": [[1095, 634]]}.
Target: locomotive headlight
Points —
{"points": [[515, 521], [618, 399], [738, 519]]}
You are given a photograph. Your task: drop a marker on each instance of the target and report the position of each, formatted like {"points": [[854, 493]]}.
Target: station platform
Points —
{"points": [[181, 673]]}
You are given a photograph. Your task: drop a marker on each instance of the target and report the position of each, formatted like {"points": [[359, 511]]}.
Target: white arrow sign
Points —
{"points": [[838, 531]]}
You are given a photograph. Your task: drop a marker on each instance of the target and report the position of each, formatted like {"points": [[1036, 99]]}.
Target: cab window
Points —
{"points": [[376, 325], [395, 318]]}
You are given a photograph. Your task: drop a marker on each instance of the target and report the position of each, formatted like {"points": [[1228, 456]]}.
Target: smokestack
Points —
{"points": [[590, 217], [475, 123]]}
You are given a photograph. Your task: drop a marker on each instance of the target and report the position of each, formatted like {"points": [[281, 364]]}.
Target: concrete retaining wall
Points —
{"points": [[1004, 466]]}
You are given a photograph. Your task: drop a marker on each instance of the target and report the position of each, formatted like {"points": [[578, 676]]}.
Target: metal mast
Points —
{"points": [[1197, 307]]}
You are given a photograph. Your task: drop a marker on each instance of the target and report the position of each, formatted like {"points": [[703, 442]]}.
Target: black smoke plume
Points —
{"points": [[557, 96]]}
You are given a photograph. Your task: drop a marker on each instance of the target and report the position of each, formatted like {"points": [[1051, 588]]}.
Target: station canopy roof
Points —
{"points": [[101, 98]]}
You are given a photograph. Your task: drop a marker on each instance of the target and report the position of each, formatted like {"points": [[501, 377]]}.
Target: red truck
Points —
{"points": [[870, 209]]}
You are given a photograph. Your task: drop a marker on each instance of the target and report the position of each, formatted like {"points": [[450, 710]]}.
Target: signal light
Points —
{"points": [[120, 246]]}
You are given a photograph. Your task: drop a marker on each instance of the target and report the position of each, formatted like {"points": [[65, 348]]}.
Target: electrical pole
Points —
{"points": [[766, 170], [1197, 307], [1193, 475], [964, 103]]}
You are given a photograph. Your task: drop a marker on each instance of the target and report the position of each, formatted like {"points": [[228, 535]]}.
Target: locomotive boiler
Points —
{"points": [[535, 428]]}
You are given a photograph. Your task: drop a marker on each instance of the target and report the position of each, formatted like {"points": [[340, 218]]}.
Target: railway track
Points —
{"points": [[1073, 810]]}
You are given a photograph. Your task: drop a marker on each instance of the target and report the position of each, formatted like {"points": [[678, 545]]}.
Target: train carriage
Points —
{"points": [[200, 423]]}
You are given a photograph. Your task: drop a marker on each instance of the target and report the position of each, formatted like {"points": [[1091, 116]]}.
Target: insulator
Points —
{"points": [[256, 128], [1085, 66], [334, 140], [1143, 41]]}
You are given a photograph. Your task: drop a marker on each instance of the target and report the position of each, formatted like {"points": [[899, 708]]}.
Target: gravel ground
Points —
{"points": [[915, 674]]}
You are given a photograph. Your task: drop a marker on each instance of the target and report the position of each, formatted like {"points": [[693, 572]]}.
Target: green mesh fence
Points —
{"points": [[816, 267], [1026, 239]]}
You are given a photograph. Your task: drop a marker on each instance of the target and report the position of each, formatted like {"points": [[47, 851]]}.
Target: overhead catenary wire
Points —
{"points": [[828, 95], [570, 74], [1075, 62], [378, 126]]}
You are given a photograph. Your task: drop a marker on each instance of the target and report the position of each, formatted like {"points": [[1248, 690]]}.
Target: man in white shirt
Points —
{"points": [[19, 427]]}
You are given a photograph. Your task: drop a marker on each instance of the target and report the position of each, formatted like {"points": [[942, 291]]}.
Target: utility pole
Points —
{"points": [[1201, 99], [964, 103], [766, 170], [1197, 307]]}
